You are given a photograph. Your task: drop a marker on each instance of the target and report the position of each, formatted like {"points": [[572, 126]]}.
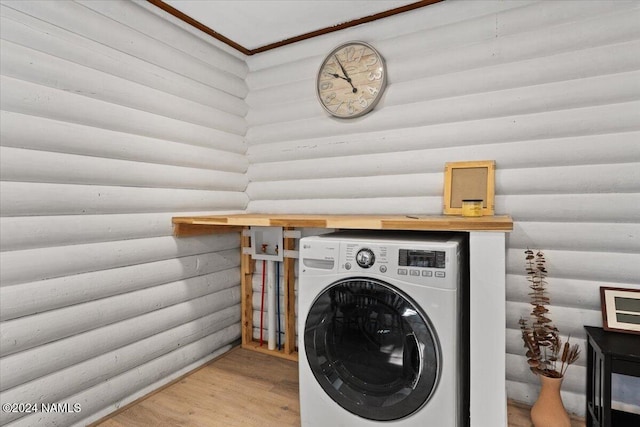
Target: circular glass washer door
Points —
{"points": [[372, 349]]}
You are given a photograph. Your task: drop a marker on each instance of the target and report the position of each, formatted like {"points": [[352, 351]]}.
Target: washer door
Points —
{"points": [[372, 349]]}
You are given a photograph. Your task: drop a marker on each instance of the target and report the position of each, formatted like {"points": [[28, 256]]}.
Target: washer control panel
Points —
{"points": [[417, 265], [424, 262]]}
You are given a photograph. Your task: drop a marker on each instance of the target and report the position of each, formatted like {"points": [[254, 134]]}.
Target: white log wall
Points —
{"points": [[112, 121], [549, 90]]}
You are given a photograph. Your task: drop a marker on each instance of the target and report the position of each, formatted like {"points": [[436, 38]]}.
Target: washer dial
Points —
{"points": [[365, 258]]}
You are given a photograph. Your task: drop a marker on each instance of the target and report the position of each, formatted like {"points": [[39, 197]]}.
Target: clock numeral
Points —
{"points": [[372, 90], [354, 55], [350, 108], [363, 102], [328, 98], [375, 75], [361, 53], [349, 52], [326, 85], [371, 61]]}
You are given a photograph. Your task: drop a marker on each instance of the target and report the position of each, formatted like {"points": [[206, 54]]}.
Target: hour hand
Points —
{"points": [[337, 76]]}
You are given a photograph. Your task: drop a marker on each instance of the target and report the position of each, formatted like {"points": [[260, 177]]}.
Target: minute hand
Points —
{"points": [[347, 78]]}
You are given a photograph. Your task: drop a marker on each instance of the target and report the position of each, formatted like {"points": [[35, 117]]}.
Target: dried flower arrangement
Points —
{"points": [[542, 339]]}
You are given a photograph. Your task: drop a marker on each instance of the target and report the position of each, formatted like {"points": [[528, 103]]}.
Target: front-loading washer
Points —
{"points": [[381, 320]]}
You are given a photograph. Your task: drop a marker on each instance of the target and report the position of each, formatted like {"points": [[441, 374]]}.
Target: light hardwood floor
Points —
{"points": [[239, 389]]}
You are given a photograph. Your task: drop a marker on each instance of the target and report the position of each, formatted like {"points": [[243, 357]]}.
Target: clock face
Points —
{"points": [[351, 80]]}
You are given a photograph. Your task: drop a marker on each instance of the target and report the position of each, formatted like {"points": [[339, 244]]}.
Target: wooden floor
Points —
{"points": [[240, 389]]}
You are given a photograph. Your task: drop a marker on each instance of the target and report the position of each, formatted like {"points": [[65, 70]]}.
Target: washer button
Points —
{"points": [[414, 272], [383, 269], [402, 271], [427, 273], [347, 266], [439, 273]]}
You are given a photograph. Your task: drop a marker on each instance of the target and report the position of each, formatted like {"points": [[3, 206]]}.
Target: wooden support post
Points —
{"points": [[246, 268], [289, 297]]}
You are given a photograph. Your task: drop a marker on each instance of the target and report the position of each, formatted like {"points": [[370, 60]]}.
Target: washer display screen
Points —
{"points": [[372, 349], [419, 258]]}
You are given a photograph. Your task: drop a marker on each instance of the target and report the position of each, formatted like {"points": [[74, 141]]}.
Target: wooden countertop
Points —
{"points": [[192, 225]]}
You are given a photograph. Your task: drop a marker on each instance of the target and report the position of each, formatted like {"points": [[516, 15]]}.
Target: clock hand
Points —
{"points": [[347, 78], [342, 68], [337, 76]]}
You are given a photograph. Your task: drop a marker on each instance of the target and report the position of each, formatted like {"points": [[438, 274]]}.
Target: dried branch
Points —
{"points": [[573, 354], [542, 339]]}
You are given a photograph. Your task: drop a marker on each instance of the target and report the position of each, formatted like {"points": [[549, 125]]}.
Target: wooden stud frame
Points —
{"points": [[289, 298], [248, 268], [469, 180]]}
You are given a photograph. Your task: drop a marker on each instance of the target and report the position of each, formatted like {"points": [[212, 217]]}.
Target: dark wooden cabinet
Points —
{"points": [[609, 353]]}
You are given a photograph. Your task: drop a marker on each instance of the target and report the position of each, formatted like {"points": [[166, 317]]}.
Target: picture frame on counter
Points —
{"points": [[620, 309], [472, 180]]}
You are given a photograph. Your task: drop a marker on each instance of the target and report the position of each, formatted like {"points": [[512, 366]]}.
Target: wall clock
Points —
{"points": [[351, 80]]}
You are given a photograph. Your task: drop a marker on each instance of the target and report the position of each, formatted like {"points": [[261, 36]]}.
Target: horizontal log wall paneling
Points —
{"points": [[112, 121], [549, 90]]}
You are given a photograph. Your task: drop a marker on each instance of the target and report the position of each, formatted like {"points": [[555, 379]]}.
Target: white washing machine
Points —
{"points": [[381, 325]]}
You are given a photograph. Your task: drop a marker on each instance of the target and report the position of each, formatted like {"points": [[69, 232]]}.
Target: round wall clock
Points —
{"points": [[351, 80]]}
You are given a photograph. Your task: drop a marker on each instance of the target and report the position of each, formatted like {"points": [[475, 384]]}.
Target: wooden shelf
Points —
{"points": [[193, 225]]}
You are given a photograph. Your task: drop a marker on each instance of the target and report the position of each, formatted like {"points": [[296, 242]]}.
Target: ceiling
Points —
{"points": [[253, 26]]}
